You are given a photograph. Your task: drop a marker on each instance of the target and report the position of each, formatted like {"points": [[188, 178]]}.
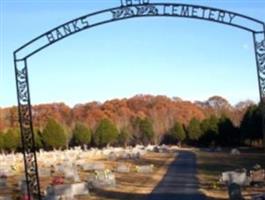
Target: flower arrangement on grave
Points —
{"points": [[106, 173], [216, 185], [57, 180], [14, 167]]}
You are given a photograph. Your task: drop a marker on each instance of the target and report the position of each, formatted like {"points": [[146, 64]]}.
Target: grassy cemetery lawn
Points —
{"points": [[133, 185], [136, 185], [212, 164], [130, 186]]}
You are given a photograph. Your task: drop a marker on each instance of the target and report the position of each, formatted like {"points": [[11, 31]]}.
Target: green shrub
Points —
{"points": [[12, 140], [177, 133], [146, 130], [106, 133], [54, 135], [81, 134], [2, 147], [194, 130]]}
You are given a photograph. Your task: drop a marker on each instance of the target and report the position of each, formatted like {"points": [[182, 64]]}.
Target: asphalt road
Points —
{"points": [[180, 182]]}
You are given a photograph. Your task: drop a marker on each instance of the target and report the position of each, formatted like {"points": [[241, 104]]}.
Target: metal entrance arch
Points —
{"points": [[127, 9]]}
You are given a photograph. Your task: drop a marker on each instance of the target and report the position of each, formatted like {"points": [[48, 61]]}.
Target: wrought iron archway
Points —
{"points": [[128, 9]]}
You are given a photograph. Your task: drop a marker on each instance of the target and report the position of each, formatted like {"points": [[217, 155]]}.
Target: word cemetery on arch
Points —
{"points": [[141, 8], [128, 9], [174, 10]]}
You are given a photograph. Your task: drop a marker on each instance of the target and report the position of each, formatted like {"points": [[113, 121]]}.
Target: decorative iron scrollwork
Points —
{"points": [[260, 56], [133, 11], [260, 59], [27, 135]]}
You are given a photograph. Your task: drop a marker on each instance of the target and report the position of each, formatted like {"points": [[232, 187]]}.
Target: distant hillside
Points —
{"points": [[162, 110]]}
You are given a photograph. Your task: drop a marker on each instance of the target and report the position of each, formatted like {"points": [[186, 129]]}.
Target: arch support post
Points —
{"points": [[259, 45], [26, 130]]}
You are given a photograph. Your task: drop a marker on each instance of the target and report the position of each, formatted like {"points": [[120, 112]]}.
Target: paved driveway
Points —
{"points": [[180, 182]]}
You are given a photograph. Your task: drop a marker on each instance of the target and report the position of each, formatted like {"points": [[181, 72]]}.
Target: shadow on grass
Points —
{"points": [[216, 163], [212, 164], [105, 194]]}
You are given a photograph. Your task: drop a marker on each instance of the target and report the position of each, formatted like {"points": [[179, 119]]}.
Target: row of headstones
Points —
{"points": [[10, 162], [77, 153], [59, 189], [233, 151], [77, 150], [101, 178], [71, 172], [47, 159]]}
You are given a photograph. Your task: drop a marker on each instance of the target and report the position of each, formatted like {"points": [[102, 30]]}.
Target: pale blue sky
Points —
{"points": [[191, 59]]}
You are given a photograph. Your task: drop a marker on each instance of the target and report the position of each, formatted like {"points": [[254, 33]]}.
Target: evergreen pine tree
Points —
{"points": [[54, 135], [81, 134], [106, 133]]}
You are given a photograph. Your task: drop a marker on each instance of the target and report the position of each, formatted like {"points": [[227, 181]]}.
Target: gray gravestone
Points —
{"points": [[234, 192], [102, 179], [3, 181], [59, 192], [122, 168]]}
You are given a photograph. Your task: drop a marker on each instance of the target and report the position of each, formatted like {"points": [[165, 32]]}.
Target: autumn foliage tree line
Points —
{"points": [[143, 119]]}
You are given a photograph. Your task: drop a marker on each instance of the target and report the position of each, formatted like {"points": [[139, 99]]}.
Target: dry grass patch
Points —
{"points": [[133, 185], [130, 186], [212, 164]]}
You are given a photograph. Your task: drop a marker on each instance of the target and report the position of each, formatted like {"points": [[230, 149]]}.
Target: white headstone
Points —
{"points": [[80, 189], [239, 178], [235, 152], [92, 166], [122, 168], [145, 169], [102, 179], [71, 173], [44, 172]]}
